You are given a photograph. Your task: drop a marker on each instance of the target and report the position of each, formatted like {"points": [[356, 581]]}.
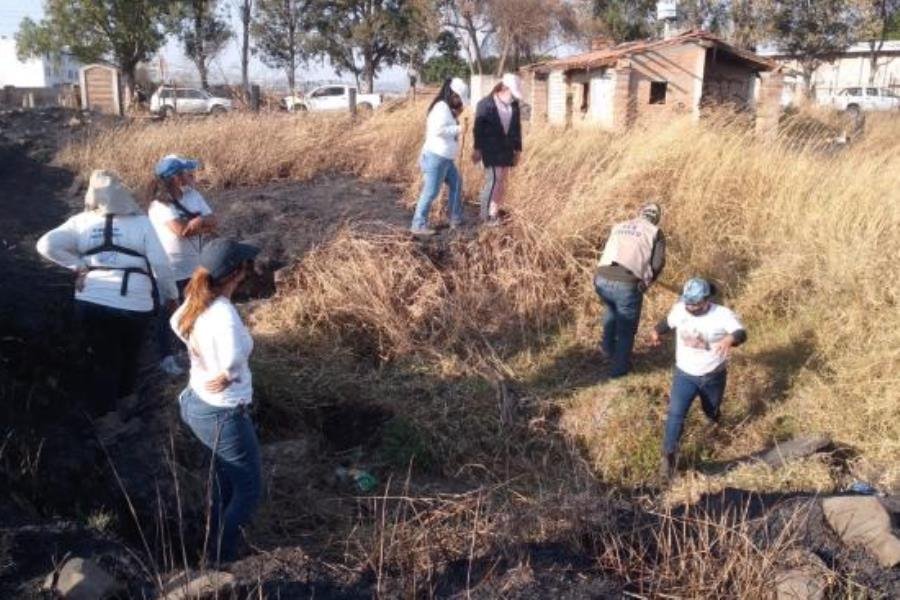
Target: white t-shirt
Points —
{"points": [[67, 244], [696, 336], [219, 343], [442, 132], [184, 252]]}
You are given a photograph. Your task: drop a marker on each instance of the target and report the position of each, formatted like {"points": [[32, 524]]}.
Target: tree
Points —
{"points": [[202, 31], [362, 36], [811, 30], [446, 63], [468, 19], [245, 8], [624, 20], [121, 32], [423, 30], [523, 26], [880, 17], [282, 34]]}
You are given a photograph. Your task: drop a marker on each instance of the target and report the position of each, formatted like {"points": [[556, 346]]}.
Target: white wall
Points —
{"points": [[34, 72]]}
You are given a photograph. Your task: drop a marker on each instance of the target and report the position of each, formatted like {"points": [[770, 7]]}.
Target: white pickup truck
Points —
{"points": [[331, 97], [857, 99]]}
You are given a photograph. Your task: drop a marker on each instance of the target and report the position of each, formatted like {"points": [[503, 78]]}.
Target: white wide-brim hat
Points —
{"points": [[108, 195]]}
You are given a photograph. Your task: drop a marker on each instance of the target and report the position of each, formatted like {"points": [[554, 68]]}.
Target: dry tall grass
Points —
{"points": [[803, 240]]}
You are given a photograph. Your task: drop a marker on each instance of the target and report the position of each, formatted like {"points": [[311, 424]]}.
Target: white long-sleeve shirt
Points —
{"points": [[442, 132], [184, 252], [67, 244], [219, 343]]}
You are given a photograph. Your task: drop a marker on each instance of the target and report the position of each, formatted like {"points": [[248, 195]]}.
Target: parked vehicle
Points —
{"points": [[331, 97], [184, 101], [859, 99]]}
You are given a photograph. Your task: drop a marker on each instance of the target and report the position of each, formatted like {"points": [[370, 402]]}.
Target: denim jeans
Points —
{"points": [[437, 170], [165, 338], [623, 302], [114, 338], [237, 482], [710, 388]]}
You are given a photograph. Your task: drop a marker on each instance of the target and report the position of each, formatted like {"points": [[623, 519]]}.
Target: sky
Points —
{"points": [[226, 68]]}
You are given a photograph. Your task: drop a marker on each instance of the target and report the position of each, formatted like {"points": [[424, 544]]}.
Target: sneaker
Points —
{"points": [[170, 366], [493, 222], [667, 467], [423, 231]]}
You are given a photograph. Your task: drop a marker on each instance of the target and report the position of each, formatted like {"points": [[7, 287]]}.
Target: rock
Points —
{"points": [[864, 520], [796, 448], [82, 579], [209, 584], [74, 122], [805, 577], [804, 583]]}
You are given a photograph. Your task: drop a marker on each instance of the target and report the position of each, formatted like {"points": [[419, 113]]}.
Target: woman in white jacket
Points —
{"points": [[442, 132], [121, 275]]}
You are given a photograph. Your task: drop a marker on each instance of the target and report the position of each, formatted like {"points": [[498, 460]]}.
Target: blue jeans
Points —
{"points": [[710, 388], [623, 302], [436, 171], [165, 338], [237, 484]]}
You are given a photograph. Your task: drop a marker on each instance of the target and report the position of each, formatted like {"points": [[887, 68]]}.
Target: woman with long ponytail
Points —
{"points": [[215, 404]]}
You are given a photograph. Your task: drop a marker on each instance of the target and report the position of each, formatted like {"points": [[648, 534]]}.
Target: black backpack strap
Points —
{"points": [[183, 210]]}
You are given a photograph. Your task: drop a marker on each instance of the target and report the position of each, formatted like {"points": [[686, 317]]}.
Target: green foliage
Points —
{"points": [[281, 34], [402, 442], [439, 68], [377, 32], [125, 32], [811, 30], [202, 30], [624, 20]]}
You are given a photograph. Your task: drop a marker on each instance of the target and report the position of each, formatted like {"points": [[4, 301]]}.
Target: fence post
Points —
{"points": [[351, 96], [254, 98]]}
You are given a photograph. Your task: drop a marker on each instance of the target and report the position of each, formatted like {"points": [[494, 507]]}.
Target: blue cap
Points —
{"points": [[696, 290], [222, 256], [169, 166]]}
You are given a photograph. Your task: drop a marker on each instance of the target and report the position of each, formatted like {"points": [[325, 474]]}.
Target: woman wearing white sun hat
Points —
{"points": [[122, 276], [498, 142], [442, 133]]}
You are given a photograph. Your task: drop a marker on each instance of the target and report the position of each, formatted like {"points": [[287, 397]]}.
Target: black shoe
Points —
{"points": [[668, 466]]}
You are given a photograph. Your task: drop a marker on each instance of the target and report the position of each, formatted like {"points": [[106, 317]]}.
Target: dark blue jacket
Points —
{"points": [[496, 146]]}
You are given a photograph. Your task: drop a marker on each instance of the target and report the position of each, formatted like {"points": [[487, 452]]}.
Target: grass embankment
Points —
{"points": [[804, 244]]}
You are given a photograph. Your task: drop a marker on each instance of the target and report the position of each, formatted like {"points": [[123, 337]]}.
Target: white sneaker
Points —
{"points": [[170, 366]]}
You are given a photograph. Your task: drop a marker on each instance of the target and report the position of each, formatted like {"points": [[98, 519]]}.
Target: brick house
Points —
{"points": [[612, 86]]}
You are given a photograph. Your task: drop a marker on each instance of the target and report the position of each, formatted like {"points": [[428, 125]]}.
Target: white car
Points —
{"points": [[187, 101], [331, 97], [858, 99]]}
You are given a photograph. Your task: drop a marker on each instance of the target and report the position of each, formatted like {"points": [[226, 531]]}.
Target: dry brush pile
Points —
{"points": [[803, 241]]}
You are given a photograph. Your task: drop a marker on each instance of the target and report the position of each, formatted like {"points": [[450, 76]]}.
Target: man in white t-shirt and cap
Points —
{"points": [[633, 258], [706, 332]]}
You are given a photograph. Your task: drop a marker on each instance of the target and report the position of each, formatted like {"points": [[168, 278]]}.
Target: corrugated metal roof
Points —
{"points": [[608, 57]]}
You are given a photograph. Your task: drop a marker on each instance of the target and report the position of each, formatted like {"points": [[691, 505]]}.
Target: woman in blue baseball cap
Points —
{"points": [[182, 220], [706, 332], [216, 403]]}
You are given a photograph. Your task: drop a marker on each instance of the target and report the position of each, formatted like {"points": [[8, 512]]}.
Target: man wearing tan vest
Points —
{"points": [[633, 258]]}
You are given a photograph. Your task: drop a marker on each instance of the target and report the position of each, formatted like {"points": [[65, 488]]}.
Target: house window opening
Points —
{"points": [[585, 96], [658, 92]]}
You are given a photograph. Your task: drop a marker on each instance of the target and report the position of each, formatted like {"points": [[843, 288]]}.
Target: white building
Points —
{"points": [[849, 68], [42, 72]]}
